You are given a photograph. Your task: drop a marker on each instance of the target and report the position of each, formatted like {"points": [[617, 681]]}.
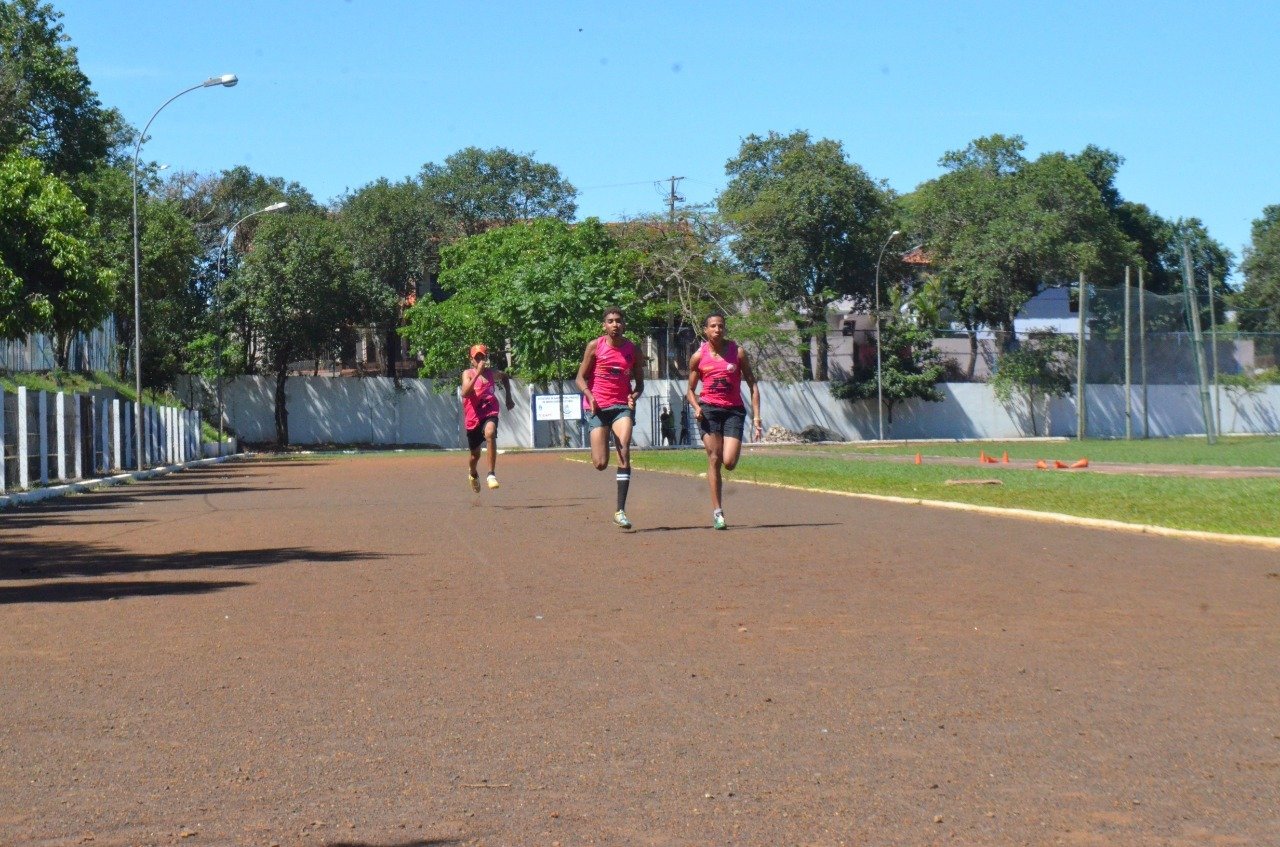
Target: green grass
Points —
{"points": [[1236, 506], [79, 382], [1233, 451]]}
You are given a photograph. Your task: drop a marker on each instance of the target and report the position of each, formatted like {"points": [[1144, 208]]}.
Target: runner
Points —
{"points": [[480, 411], [721, 366], [610, 365]]}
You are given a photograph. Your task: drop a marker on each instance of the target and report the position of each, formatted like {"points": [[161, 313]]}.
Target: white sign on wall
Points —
{"points": [[569, 407]]}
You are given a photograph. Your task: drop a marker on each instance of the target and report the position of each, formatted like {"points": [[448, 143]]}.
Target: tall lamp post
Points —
{"points": [[879, 382], [226, 80], [222, 254]]}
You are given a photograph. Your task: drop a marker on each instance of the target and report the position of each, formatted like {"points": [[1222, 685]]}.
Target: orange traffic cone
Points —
{"points": [[918, 460], [982, 456], [1059, 465], [1005, 458], [1082, 463], [1041, 466]]}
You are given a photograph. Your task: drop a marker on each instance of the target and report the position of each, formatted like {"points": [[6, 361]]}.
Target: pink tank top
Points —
{"points": [[721, 378], [610, 380], [481, 404]]}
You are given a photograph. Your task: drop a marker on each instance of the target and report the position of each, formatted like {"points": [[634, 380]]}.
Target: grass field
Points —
{"points": [[1232, 451], [1236, 506]]}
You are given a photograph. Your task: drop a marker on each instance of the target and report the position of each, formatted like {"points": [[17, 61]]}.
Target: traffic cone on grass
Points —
{"points": [[1081, 463]]}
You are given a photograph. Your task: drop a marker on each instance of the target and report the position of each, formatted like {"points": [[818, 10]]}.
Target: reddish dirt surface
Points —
{"points": [[362, 652]]}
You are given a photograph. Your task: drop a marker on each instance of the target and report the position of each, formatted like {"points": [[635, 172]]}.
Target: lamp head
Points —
{"points": [[227, 80], [275, 207], [895, 233]]}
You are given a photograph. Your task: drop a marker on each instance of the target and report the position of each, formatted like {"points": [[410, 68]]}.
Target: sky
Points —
{"points": [[334, 94]]}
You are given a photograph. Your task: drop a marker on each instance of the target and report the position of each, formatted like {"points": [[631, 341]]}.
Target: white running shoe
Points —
{"points": [[620, 518], [492, 482]]}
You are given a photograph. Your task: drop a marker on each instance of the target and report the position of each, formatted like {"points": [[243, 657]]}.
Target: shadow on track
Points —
{"points": [[425, 842], [732, 526], [80, 592], [40, 560]]}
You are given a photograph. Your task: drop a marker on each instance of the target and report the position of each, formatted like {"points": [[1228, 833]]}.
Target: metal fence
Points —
{"points": [[96, 350]]}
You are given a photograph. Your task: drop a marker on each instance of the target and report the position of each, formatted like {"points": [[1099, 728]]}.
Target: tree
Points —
{"points": [[910, 366], [46, 104], [809, 222], [300, 289], [48, 282], [1000, 228], [1040, 368], [388, 230], [535, 290], [477, 189], [173, 304], [684, 273], [1259, 299]]}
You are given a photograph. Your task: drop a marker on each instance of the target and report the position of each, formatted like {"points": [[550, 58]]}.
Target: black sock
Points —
{"points": [[624, 482]]}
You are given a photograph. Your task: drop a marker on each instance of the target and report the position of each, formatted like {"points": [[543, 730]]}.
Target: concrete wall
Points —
{"points": [[325, 410]]}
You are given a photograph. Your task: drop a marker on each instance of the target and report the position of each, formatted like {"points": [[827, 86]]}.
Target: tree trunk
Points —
{"points": [[62, 349], [973, 353], [393, 351], [1031, 404], [282, 411], [820, 332], [806, 351]]}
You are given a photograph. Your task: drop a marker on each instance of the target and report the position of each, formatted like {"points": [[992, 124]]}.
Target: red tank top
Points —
{"points": [[610, 379], [482, 402], [721, 377]]}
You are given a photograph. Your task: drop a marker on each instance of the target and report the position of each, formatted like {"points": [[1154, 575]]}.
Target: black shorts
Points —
{"points": [[475, 437], [722, 420]]}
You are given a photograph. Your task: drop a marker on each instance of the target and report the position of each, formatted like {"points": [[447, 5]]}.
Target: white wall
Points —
{"points": [[327, 410]]}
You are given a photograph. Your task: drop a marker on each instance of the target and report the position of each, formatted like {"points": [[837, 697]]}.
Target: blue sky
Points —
{"points": [[336, 93]]}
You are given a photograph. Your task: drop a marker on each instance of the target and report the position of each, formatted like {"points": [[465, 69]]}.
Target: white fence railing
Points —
{"points": [[48, 437]]}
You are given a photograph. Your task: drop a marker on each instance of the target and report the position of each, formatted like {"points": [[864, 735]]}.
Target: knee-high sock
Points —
{"points": [[624, 482]]}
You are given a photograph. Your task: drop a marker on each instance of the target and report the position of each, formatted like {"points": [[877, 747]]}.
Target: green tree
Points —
{"points": [[46, 103], [388, 230], [173, 305], [477, 189], [811, 223], [1259, 299], [683, 273], [535, 290], [910, 366], [1039, 369], [301, 291], [48, 282], [1000, 228]]}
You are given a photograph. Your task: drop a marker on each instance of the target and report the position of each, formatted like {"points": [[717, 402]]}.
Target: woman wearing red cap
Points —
{"points": [[480, 411]]}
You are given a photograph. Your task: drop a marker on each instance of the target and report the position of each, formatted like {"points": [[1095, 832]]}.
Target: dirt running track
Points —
{"points": [[361, 652]]}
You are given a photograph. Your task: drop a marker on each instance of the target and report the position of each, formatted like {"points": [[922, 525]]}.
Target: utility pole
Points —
{"points": [[669, 341]]}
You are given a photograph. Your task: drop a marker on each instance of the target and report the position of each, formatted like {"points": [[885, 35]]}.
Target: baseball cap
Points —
{"points": [[478, 348]]}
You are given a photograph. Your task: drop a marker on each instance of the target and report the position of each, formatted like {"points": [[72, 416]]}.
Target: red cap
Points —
{"points": [[479, 348]]}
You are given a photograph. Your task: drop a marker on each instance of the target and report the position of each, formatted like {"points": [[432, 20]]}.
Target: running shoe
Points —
{"points": [[475, 483], [620, 518], [492, 482], [717, 520]]}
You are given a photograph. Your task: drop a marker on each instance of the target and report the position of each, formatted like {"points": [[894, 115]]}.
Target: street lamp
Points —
{"points": [[227, 81], [222, 254], [879, 383]]}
